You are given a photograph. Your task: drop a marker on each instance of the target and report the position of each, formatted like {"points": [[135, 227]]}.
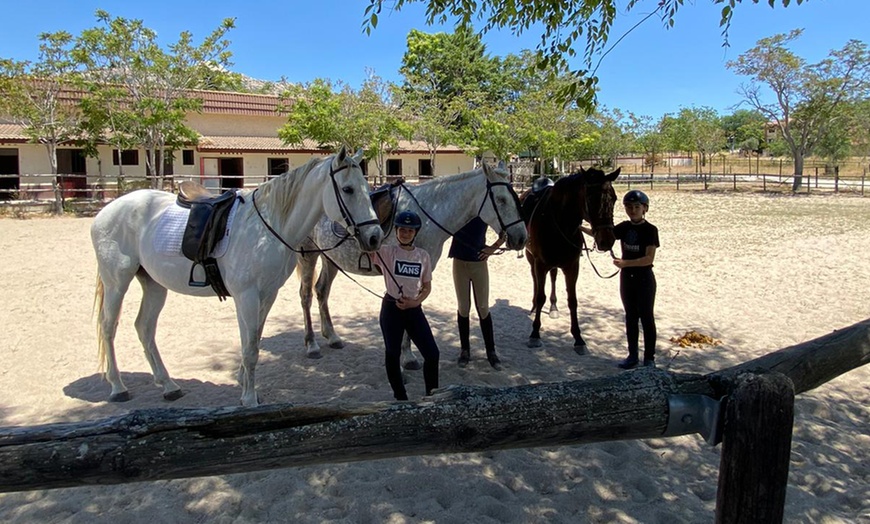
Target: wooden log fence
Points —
{"points": [[648, 403]]}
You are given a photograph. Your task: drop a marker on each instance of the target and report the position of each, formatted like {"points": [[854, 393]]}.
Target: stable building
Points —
{"points": [[238, 147]]}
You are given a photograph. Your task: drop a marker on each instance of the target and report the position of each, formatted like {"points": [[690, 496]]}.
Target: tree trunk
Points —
{"points": [[798, 172], [56, 186]]}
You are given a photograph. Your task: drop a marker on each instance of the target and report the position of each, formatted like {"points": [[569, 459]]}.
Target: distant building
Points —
{"points": [[238, 147]]}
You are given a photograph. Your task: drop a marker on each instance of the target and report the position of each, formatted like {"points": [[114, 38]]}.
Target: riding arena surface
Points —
{"points": [[756, 272]]}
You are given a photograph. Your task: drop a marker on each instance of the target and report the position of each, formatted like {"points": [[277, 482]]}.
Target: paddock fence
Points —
{"points": [[82, 193], [749, 408]]}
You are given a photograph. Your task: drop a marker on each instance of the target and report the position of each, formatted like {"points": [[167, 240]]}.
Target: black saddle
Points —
{"points": [[540, 189], [206, 226]]}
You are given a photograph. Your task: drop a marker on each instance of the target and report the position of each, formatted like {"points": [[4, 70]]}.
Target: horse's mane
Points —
{"points": [[284, 189], [448, 179]]}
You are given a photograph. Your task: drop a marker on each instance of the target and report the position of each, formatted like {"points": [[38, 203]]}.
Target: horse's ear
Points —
{"points": [[612, 176], [358, 156], [342, 154], [487, 171]]}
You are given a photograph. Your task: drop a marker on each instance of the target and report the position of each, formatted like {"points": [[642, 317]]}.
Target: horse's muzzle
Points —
{"points": [[370, 237]]}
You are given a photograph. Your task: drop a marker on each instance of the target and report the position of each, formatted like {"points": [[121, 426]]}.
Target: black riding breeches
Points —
{"points": [[637, 288], [394, 322]]}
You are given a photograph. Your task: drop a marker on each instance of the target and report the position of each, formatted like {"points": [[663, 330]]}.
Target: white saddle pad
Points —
{"points": [[170, 231]]}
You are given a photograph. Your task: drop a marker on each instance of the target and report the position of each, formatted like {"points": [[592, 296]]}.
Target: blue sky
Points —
{"points": [[653, 71]]}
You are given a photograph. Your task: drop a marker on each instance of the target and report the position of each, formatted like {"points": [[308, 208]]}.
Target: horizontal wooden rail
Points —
{"points": [[178, 443]]}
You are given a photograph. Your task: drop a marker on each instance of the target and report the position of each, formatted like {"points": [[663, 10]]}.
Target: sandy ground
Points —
{"points": [[757, 272]]}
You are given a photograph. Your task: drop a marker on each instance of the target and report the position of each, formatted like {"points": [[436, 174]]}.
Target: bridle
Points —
{"points": [[598, 226], [351, 225]]}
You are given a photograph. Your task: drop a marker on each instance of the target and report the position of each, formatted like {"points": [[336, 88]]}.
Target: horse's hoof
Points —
{"points": [[582, 349], [314, 354], [338, 344], [534, 343], [173, 395], [123, 396], [412, 365], [554, 313]]}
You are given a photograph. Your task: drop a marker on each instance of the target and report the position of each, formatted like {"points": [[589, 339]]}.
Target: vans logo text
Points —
{"points": [[408, 269]]}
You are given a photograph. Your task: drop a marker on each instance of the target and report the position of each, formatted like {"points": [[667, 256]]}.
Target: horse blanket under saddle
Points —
{"points": [[198, 228]]}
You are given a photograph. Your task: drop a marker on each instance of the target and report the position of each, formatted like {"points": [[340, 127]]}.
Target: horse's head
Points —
{"points": [[597, 206], [501, 207], [349, 204]]}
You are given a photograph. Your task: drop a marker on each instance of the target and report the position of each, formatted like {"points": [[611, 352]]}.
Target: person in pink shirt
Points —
{"points": [[407, 274]]}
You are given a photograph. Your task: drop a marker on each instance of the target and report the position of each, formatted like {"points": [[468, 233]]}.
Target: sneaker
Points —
{"points": [[649, 363], [628, 363]]}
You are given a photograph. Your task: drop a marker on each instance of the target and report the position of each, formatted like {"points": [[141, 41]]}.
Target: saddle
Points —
{"points": [[206, 226], [540, 188]]}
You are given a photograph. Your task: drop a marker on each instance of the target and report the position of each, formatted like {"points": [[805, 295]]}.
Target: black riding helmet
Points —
{"points": [[635, 196], [408, 219]]}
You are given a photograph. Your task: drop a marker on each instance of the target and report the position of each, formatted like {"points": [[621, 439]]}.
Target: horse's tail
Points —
{"points": [[98, 308]]}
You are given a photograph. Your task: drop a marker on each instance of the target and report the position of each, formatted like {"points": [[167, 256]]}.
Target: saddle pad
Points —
{"points": [[170, 231]]}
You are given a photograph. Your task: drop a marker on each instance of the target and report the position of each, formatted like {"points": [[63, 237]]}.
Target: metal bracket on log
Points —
{"points": [[695, 414]]}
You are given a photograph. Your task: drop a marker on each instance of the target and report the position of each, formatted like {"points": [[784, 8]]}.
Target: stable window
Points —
{"points": [[187, 157], [278, 166], [129, 157]]}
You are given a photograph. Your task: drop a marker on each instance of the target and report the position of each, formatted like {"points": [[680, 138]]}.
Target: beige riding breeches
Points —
{"points": [[468, 275]]}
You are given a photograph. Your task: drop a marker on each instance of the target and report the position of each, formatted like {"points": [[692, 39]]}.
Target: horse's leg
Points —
{"points": [[109, 297], [323, 288], [306, 265], [248, 313], [539, 277], [153, 300], [409, 361], [554, 311], [571, 273]]}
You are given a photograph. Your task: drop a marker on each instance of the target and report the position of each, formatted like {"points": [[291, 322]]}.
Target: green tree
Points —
{"points": [[454, 88], [155, 84], [744, 129], [807, 97], [563, 26], [696, 131], [35, 95], [336, 115], [612, 136], [648, 138]]}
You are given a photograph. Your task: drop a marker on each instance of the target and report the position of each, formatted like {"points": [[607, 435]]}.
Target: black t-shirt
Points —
{"points": [[635, 238]]}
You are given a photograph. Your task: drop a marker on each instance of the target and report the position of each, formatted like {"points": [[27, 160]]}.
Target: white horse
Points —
{"points": [[444, 205], [269, 224]]}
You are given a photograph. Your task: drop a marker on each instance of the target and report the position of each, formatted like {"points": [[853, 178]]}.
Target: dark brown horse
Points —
{"points": [[554, 215]]}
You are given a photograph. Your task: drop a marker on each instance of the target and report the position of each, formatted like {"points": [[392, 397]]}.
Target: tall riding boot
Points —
{"points": [[465, 351], [489, 342], [430, 375]]}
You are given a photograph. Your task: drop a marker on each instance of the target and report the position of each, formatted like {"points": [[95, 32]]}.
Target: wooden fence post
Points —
{"points": [[756, 446]]}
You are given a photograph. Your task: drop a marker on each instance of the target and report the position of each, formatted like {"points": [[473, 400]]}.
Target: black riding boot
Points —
{"points": [[430, 375], [465, 346], [489, 342]]}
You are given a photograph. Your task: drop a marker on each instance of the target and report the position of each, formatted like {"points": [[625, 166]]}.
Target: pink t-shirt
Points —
{"points": [[410, 269]]}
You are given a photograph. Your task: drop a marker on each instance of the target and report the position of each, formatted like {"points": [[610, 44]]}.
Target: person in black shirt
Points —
{"points": [[637, 283]]}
